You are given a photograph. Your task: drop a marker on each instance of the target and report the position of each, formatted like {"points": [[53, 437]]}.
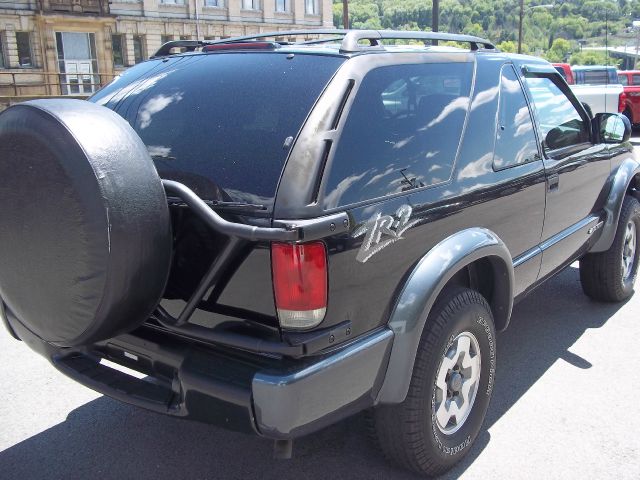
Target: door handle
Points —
{"points": [[553, 182]]}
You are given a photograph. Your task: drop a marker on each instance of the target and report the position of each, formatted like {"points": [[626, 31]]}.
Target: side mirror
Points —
{"points": [[612, 127]]}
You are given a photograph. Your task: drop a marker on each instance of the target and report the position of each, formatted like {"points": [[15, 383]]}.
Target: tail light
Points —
{"points": [[622, 102], [299, 283]]}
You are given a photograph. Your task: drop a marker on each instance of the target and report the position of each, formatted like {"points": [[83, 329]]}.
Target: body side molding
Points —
{"points": [[620, 183], [423, 286]]}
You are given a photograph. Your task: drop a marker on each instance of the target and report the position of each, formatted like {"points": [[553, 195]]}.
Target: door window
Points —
{"points": [[635, 79], [561, 124], [402, 132], [623, 79], [515, 140]]}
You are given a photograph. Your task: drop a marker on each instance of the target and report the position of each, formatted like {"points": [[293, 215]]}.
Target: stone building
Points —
{"points": [[71, 47]]}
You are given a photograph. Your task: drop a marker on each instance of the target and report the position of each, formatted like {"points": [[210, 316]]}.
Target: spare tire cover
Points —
{"points": [[85, 232]]}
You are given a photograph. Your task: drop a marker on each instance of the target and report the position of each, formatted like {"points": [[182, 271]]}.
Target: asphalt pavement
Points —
{"points": [[565, 405]]}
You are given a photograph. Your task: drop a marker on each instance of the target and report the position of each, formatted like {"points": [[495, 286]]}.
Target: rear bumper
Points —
{"points": [[276, 398]]}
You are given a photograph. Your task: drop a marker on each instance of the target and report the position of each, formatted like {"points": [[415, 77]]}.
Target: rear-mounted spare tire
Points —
{"points": [[85, 232]]}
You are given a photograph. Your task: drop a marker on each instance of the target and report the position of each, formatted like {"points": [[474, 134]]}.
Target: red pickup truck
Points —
{"points": [[564, 69], [630, 79]]}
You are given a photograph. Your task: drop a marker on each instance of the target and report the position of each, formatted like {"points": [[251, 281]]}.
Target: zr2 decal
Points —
{"points": [[383, 230]]}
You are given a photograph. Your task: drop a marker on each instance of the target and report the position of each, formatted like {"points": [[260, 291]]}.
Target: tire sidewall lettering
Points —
{"points": [[478, 324]]}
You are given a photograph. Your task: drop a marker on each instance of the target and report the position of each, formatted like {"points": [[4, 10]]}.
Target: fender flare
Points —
{"points": [[625, 173], [426, 281]]}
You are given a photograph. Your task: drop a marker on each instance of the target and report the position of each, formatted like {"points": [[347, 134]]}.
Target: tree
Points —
{"points": [[593, 57], [508, 46], [497, 20], [474, 29], [559, 51]]}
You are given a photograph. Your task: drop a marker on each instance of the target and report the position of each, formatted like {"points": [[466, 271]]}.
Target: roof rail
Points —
{"points": [[286, 33], [189, 45], [352, 39]]}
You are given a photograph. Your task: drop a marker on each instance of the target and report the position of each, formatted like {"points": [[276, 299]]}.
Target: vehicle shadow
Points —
{"points": [[105, 439]]}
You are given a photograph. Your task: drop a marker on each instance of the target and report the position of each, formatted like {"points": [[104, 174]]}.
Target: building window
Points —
{"points": [[166, 38], [23, 40], [282, 6], [213, 3], [77, 63], [251, 4], [138, 48], [172, 2], [311, 7], [117, 45], [2, 62]]}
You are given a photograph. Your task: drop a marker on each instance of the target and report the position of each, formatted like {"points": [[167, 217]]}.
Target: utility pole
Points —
{"points": [[636, 26], [435, 15], [345, 14], [435, 18], [520, 26]]}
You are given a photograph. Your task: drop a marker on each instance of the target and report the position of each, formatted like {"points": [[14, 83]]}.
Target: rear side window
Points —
{"points": [[560, 122], [402, 132], [515, 139], [219, 122], [636, 79]]}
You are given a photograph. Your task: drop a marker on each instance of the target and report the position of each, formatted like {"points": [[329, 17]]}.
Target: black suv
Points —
{"points": [[280, 234]]}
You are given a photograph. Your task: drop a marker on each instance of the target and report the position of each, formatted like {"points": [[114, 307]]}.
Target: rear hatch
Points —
{"points": [[221, 123]]}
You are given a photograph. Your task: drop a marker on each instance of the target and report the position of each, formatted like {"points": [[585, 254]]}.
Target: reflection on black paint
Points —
{"points": [[515, 140]]}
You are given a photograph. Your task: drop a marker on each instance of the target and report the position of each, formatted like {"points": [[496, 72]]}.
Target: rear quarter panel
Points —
{"points": [[509, 202]]}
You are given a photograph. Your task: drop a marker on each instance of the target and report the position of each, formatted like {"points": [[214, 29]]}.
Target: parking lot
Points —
{"points": [[565, 406]]}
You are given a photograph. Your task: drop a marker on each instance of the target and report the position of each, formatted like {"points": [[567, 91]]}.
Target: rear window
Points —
{"points": [[595, 77], [220, 122]]}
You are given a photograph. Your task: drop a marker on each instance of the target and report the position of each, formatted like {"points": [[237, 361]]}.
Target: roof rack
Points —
{"points": [[351, 39], [188, 45]]}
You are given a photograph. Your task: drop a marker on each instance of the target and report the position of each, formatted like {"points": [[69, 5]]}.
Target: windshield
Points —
{"points": [[220, 123]]}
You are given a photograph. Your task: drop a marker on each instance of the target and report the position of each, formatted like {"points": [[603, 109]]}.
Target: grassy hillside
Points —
{"points": [[571, 20]]}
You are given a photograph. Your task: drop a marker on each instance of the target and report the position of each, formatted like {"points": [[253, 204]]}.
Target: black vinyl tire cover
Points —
{"points": [[85, 232]]}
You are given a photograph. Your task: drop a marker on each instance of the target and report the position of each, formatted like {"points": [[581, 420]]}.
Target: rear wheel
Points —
{"points": [[450, 388], [610, 276]]}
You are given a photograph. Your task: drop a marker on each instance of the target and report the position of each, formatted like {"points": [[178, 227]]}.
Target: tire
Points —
{"points": [[412, 433], [84, 225], [602, 275]]}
